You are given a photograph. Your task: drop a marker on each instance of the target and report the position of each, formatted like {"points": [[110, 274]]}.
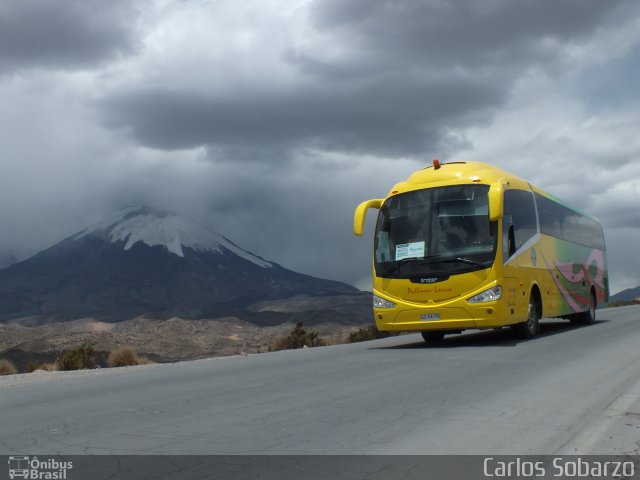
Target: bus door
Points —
{"points": [[519, 226]]}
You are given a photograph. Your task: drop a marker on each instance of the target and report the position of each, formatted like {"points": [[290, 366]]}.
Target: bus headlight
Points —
{"points": [[491, 295], [379, 302]]}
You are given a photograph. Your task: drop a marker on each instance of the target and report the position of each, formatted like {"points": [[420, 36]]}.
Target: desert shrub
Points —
{"points": [[82, 357], [338, 338], [32, 366], [6, 367], [145, 360], [367, 333], [49, 367], [299, 337], [123, 357]]}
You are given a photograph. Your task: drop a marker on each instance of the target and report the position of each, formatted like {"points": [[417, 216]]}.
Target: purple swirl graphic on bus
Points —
{"points": [[573, 274]]}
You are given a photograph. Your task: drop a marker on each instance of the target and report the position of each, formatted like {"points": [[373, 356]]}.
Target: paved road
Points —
{"points": [[570, 390]]}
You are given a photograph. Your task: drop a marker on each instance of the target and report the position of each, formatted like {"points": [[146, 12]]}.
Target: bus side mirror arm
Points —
{"points": [[495, 202], [361, 212]]}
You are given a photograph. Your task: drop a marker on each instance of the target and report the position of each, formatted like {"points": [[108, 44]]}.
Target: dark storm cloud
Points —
{"points": [[463, 32], [393, 115], [405, 75], [67, 34]]}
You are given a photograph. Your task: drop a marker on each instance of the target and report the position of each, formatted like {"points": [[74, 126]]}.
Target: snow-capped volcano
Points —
{"points": [[155, 227], [142, 260]]}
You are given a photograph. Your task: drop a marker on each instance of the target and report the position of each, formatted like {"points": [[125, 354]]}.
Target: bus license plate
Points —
{"points": [[427, 317]]}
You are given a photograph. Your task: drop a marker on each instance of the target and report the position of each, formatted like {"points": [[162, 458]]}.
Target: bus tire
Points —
{"points": [[588, 317], [433, 337], [531, 327]]}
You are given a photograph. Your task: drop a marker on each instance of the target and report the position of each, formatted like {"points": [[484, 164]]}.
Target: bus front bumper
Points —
{"points": [[480, 316]]}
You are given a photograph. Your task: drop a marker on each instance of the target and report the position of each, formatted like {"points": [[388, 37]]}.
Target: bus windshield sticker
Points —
{"points": [[409, 250]]}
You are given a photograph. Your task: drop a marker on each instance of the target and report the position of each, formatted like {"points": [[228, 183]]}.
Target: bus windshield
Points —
{"points": [[442, 230]]}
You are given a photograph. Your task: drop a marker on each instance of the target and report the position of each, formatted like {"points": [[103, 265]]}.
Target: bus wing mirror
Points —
{"points": [[495, 202], [361, 212]]}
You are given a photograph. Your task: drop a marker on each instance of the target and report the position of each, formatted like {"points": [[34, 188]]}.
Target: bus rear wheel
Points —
{"points": [[588, 317], [433, 337], [529, 328]]}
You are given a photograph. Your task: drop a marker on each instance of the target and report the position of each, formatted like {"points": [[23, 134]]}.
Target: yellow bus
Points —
{"points": [[466, 245]]}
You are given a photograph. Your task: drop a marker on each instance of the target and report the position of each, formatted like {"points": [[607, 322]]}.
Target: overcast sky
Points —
{"points": [[270, 120]]}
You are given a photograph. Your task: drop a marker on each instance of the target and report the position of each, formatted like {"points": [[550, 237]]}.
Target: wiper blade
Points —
{"points": [[468, 261], [419, 260], [396, 266], [473, 262], [431, 260]]}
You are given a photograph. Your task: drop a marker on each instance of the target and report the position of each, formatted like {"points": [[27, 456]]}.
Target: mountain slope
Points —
{"points": [[627, 295], [148, 261]]}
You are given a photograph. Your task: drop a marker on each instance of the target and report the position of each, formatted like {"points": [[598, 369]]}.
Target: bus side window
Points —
{"points": [[519, 222], [562, 222]]}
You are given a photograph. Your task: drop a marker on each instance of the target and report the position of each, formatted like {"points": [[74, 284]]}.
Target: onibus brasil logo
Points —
{"points": [[32, 468]]}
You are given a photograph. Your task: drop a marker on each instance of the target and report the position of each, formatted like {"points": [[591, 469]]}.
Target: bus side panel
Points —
{"points": [[564, 273], [567, 273], [533, 271], [515, 295]]}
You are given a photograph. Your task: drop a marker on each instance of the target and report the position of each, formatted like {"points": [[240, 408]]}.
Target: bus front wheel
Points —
{"points": [[529, 328], [433, 337]]}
